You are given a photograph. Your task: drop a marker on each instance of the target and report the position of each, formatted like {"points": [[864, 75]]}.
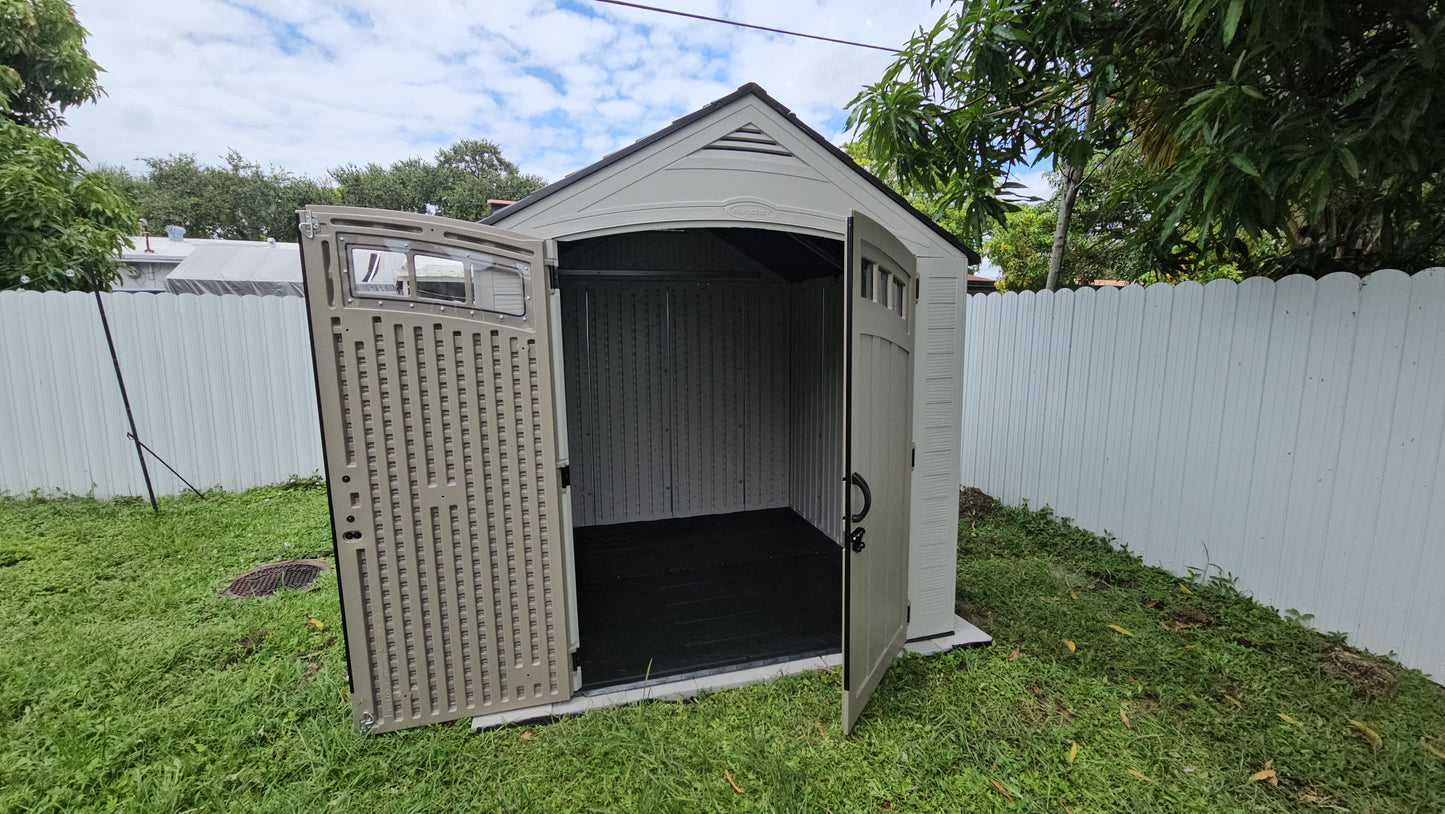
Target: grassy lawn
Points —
{"points": [[127, 684]]}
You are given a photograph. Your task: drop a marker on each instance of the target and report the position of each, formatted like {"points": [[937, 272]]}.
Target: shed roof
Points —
{"points": [[756, 91]]}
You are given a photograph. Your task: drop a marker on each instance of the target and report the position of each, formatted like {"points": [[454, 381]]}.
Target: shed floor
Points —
{"points": [[694, 594]]}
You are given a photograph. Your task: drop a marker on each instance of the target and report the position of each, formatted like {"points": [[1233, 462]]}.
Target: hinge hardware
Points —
{"points": [[554, 279], [309, 224], [565, 473]]}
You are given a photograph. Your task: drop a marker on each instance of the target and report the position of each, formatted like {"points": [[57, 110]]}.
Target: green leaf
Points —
{"points": [[1231, 19], [1347, 160], [1244, 164]]}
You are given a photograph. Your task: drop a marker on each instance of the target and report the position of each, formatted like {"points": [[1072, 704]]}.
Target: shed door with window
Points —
{"points": [[434, 382], [879, 459]]}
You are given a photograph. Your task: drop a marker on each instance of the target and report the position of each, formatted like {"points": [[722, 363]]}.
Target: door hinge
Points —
{"points": [[913, 457], [565, 474], [554, 279], [309, 223], [916, 287], [908, 613]]}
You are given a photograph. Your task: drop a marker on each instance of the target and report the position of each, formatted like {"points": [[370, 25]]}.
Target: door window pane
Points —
{"points": [[377, 271], [499, 288], [439, 278], [883, 287], [897, 296], [865, 288]]}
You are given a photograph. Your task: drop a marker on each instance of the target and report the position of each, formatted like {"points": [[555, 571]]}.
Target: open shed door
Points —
{"points": [[878, 456], [434, 381]]}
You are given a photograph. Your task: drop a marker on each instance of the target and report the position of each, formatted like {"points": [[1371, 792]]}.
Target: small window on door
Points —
{"points": [[486, 282], [499, 288], [897, 298], [377, 271], [865, 279], [883, 287], [439, 278]]}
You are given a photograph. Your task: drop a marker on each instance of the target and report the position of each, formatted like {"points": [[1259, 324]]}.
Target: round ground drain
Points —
{"points": [[267, 579]]}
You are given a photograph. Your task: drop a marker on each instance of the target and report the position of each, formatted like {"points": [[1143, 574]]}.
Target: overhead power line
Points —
{"points": [[747, 25]]}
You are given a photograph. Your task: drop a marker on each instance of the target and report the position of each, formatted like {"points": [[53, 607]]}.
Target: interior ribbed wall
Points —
{"points": [[815, 453], [677, 398]]}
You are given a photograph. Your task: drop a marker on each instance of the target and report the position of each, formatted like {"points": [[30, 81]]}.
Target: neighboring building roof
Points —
{"points": [[164, 249], [238, 267], [750, 89], [981, 285]]}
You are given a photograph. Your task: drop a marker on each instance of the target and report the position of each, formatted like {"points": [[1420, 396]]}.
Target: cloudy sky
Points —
{"points": [[312, 84]]}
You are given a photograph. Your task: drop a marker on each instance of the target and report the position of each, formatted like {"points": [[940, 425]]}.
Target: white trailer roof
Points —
{"points": [[239, 268]]}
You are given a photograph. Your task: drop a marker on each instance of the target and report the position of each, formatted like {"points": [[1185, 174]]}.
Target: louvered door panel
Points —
{"points": [[438, 423]]}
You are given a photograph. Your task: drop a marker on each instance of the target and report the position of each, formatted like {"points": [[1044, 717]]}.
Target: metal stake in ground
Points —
{"points": [[125, 399]]}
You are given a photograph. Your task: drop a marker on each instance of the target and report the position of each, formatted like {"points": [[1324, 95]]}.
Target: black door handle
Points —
{"points": [[857, 480]]}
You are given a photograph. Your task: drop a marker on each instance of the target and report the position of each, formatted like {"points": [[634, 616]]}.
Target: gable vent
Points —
{"points": [[749, 139]]}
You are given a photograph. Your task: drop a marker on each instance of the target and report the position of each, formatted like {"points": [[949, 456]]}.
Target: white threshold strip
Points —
{"points": [[681, 688]]}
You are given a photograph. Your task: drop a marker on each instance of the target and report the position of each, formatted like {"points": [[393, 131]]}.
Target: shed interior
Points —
{"points": [[704, 373]]}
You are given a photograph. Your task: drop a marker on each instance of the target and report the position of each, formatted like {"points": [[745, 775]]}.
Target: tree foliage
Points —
{"points": [[1299, 135], [61, 227], [456, 184], [44, 67], [240, 199], [237, 200]]}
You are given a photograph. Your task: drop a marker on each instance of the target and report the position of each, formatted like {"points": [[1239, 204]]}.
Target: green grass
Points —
{"points": [[127, 684]]}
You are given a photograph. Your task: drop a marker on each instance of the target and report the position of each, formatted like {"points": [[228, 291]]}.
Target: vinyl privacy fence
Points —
{"points": [[221, 388], [1288, 434]]}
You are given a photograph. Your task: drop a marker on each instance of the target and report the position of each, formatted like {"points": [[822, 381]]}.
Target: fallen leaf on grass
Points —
{"points": [[1073, 751], [727, 774], [825, 668], [1001, 790], [1151, 603], [1013, 655], [1267, 774], [1120, 630], [1073, 595], [1432, 750], [1185, 590], [1370, 735], [1069, 644], [1046, 599], [1288, 719], [526, 736], [1234, 701], [821, 733], [1125, 716], [1140, 776], [316, 622], [1068, 810]]}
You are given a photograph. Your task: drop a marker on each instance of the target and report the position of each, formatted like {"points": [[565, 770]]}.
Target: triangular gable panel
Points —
{"points": [[742, 161]]}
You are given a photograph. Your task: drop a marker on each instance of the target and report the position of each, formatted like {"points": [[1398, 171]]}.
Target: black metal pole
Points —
{"points": [[125, 399]]}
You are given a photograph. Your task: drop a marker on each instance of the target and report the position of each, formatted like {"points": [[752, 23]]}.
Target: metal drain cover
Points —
{"points": [[267, 579]]}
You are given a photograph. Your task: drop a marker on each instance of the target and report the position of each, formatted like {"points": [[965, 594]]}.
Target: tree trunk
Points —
{"points": [[1073, 178]]}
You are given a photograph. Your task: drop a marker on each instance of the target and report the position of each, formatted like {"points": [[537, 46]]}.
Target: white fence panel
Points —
{"points": [[1289, 434], [221, 388]]}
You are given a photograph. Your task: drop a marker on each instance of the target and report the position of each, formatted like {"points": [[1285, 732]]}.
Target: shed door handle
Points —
{"points": [[857, 480]]}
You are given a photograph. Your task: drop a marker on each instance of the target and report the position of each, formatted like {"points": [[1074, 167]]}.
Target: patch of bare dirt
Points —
{"points": [[973, 504], [1365, 675], [1190, 617]]}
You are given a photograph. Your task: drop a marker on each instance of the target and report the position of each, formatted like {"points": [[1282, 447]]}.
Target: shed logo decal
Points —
{"points": [[751, 210]]}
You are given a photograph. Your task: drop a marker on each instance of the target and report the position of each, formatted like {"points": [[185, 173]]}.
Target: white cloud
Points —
{"points": [[312, 84]]}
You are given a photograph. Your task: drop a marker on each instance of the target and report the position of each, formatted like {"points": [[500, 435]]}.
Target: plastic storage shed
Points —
{"points": [[635, 426]]}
